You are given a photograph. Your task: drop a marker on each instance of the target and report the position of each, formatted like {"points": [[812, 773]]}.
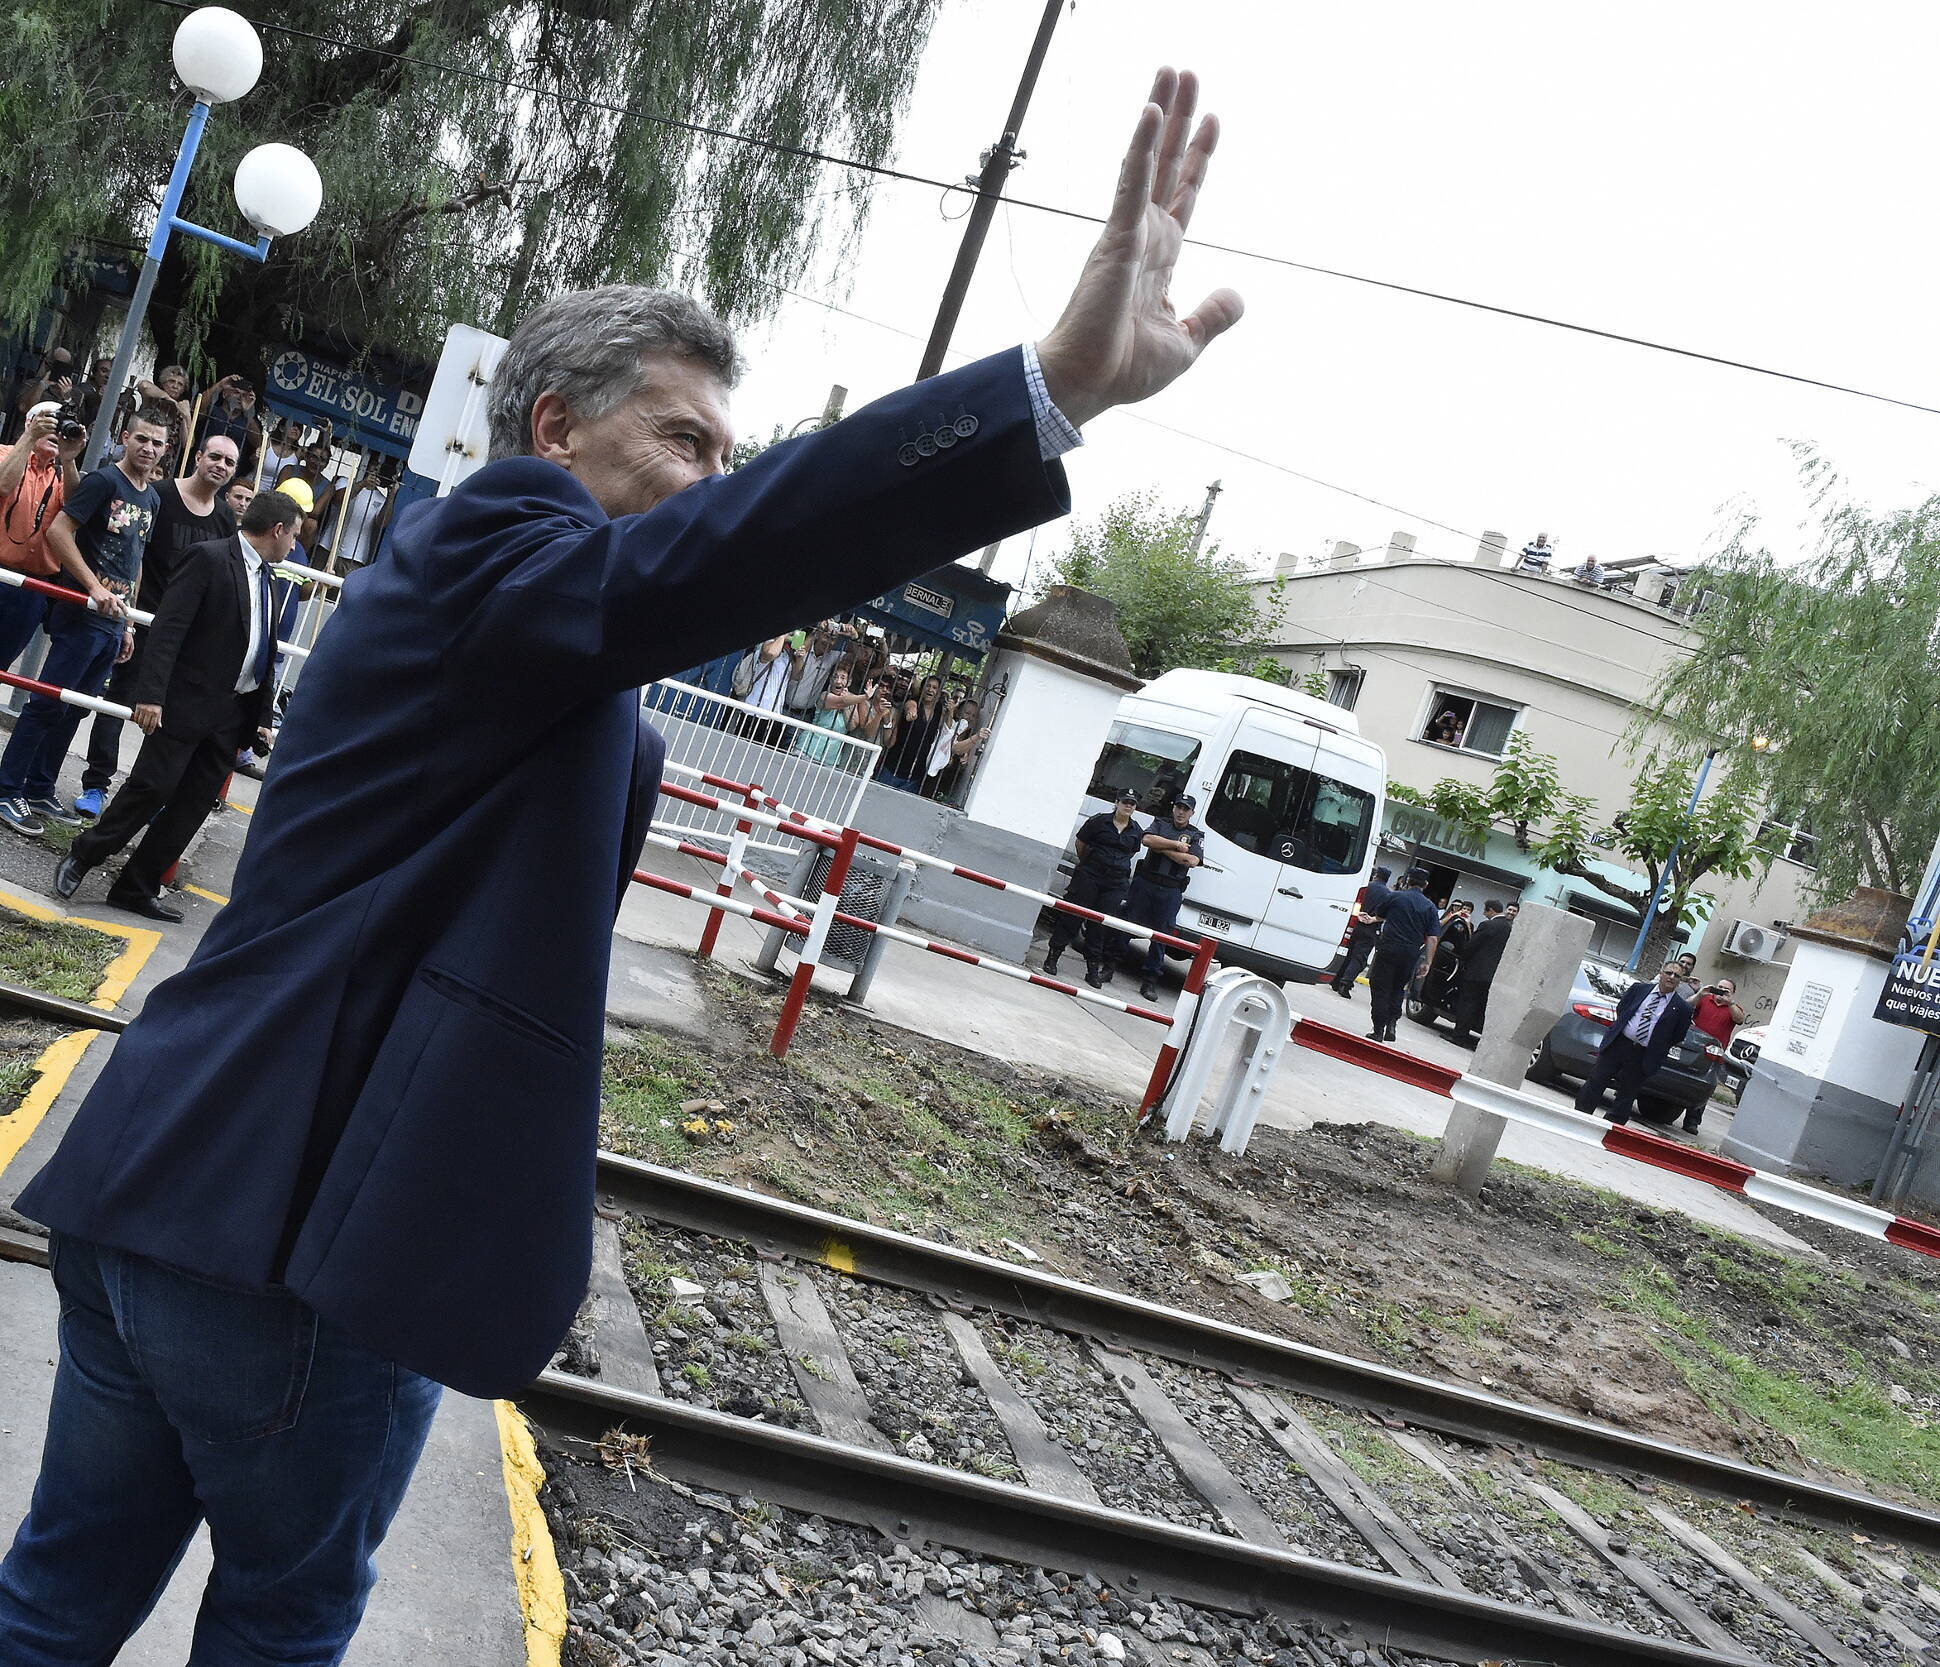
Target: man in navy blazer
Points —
{"points": [[346, 1155], [1652, 1018]]}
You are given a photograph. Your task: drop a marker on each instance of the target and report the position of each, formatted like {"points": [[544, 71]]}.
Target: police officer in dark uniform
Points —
{"points": [[1367, 927], [1173, 848], [1107, 845]]}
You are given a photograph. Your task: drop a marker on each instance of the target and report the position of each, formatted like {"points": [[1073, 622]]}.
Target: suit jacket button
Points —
{"points": [[926, 444], [965, 426], [946, 437], [908, 455]]}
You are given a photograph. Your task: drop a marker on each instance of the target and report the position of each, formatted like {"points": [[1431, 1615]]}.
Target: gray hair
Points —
{"points": [[587, 347]]}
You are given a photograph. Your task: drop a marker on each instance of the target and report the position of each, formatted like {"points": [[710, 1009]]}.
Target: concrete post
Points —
{"points": [[1492, 550], [1530, 991]]}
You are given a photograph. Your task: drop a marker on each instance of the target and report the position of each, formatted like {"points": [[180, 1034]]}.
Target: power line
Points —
{"points": [[885, 172]]}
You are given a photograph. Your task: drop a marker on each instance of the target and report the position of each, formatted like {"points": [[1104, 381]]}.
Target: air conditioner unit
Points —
{"points": [[1752, 941]]}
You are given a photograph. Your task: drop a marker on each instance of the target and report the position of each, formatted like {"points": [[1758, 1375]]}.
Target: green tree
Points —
{"points": [[1563, 832], [1836, 661], [451, 196], [1177, 606]]}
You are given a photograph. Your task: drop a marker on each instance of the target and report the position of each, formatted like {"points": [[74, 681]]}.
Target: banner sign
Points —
{"points": [[380, 415], [1911, 994], [935, 613], [1424, 827]]}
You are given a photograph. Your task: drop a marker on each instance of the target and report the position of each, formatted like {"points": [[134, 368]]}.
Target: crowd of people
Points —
{"points": [[177, 480], [846, 681]]}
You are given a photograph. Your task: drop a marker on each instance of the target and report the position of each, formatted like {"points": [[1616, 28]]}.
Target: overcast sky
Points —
{"points": [[1749, 180]]}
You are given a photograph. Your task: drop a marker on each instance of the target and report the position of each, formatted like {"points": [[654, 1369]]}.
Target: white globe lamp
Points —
{"points": [[217, 54], [278, 189]]}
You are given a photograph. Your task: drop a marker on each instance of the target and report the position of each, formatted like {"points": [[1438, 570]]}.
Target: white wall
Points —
{"points": [[1046, 737], [1823, 1025]]}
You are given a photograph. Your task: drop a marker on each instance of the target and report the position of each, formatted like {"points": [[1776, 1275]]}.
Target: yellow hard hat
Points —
{"points": [[299, 493]]}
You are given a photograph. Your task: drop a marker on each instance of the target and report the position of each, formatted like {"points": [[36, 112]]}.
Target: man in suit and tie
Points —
{"points": [[1651, 1019], [346, 1155], [203, 690]]}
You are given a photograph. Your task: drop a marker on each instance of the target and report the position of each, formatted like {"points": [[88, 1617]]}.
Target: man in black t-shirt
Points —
{"points": [[1410, 923], [192, 512], [1107, 845]]}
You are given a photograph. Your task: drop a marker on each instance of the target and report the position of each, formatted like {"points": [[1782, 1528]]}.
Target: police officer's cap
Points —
{"points": [[1183, 801]]}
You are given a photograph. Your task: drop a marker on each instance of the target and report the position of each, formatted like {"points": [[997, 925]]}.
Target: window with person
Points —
{"points": [[1295, 816], [1472, 724], [1153, 763]]}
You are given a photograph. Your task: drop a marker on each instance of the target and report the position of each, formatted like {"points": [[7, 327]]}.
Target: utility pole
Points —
{"points": [[1205, 516], [997, 164]]}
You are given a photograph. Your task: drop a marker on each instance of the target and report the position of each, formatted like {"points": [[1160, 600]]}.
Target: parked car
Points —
{"points": [[1567, 1055], [1741, 1055]]}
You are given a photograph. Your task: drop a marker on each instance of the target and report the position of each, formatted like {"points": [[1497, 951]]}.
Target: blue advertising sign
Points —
{"points": [[1911, 994], [940, 608], [381, 416]]}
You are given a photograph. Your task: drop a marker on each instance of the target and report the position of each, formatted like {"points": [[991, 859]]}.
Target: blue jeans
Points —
{"points": [[176, 1399], [80, 654], [1158, 907], [21, 613]]}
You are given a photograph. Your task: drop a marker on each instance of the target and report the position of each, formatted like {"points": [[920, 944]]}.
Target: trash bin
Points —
{"points": [[874, 890]]}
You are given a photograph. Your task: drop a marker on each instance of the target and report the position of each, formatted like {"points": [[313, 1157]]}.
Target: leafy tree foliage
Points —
{"points": [[1177, 606], [1563, 831], [1837, 662], [451, 196]]}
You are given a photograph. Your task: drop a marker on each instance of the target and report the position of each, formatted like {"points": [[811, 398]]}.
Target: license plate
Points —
{"points": [[1214, 923]]}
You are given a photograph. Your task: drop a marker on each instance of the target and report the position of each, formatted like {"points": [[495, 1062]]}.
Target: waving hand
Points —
{"points": [[1118, 339]]}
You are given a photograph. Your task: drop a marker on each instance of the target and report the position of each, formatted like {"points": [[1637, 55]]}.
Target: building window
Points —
{"points": [[1790, 837], [1469, 723], [1344, 687], [1295, 816], [1153, 763]]}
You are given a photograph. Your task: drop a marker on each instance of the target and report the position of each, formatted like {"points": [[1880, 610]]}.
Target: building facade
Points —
{"points": [[1442, 661]]}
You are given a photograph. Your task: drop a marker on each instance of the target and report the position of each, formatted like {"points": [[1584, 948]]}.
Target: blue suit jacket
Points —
{"points": [[1669, 1030], [377, 1079]]}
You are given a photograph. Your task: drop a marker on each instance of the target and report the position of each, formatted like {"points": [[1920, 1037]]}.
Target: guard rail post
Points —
{"points": [[892, 908], [811, 950], [1530, 989], [737, 852], [1182, 1015]]}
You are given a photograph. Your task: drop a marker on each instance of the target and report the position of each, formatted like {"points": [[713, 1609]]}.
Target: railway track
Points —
{"points": [[745, 1348]]}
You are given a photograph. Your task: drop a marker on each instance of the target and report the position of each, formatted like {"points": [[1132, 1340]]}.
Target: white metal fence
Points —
{"points": [[810, 769]]}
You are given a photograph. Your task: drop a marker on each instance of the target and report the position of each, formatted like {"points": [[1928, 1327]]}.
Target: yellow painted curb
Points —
{"points": [[56, 1064], [535, 1565], [213, 896]]}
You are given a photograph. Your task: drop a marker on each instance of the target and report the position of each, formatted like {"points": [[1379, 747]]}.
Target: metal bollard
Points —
{"points": [[892, 908]]}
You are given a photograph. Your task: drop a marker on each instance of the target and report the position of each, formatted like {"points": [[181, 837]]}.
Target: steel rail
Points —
{"points": [[912, 1502], [76, 1013], [964, 1277]]}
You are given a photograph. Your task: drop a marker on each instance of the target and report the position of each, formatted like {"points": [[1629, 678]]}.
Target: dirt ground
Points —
{"points": [[58, 960], [1546, 1290]]}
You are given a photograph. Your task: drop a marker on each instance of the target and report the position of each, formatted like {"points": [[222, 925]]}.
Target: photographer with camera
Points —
{"points": [[52, 382], [1716, 1012], [232, 412], [36, 475]]}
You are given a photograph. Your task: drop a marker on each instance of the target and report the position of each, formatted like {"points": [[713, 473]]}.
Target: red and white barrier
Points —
{"points": [[825, 913], [1131, 928], [134, 616]]}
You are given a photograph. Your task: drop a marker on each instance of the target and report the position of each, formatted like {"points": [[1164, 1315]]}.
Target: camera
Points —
{"points": [[67, 426]]}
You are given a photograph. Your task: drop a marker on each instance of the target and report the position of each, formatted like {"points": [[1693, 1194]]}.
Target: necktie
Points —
{"points": [[266, 649], [1647, 1017]]}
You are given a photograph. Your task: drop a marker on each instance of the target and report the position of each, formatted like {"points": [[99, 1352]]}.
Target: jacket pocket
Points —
{"points": [[464, 993]]}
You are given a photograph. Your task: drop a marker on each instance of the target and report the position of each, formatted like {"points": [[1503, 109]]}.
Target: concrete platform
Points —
{"points": [[1029, 1025], [446, 1594]]}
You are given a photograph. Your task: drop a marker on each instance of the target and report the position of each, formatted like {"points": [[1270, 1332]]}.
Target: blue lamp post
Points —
{"points": [[1758, 744], [218, 57]]}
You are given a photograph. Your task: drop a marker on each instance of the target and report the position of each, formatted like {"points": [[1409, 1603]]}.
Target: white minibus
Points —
{"points": [[1290, 798]]}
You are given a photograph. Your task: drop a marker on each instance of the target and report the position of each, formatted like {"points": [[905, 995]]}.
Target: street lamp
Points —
{"points": [[218, 57], [1758, 744]]}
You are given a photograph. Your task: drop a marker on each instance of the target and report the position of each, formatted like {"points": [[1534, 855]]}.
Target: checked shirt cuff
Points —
{"points": [[1055, 436]]}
